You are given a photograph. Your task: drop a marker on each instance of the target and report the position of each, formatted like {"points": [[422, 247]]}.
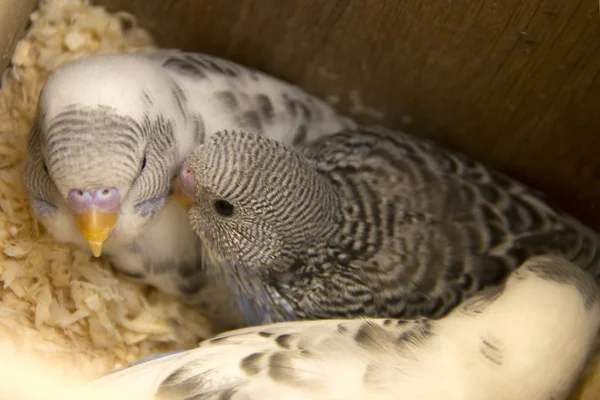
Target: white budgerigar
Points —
{"points": [[108, 138], [528, 338]]}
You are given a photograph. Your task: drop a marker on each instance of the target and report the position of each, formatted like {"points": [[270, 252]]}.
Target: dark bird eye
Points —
{"points": [[224, 208], [143, 163]]}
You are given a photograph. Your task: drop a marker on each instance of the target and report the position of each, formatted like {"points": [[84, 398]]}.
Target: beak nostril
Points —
{"points": [[187, 181], [106, 199], [78, 200]]}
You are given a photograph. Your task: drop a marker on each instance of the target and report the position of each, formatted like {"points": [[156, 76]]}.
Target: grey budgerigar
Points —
{"points": [[366, 222], [108, 139], [528, 338]]}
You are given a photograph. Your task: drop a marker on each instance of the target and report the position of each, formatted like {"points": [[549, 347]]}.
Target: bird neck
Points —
{"points": [[257, 301], [328, 219], [261, 304]]}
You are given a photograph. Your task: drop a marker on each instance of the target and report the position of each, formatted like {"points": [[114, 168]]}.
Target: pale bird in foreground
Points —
{"points": [[528, 338]]}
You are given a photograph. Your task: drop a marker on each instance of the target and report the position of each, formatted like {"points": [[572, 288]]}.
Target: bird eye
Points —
{"points": [[224, 208]]}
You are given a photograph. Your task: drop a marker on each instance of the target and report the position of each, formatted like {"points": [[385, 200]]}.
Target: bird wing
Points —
{"points": [[246, 98], [426, 227], [293, 360]]}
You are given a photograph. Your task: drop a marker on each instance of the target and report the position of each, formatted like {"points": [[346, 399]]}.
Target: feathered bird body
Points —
{"points": [[109, 137], [366, 222], [219, 94], [526, 339]]}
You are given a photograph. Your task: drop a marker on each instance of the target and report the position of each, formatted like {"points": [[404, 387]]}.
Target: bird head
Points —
{"points": [[103, 149], [257, 204]]}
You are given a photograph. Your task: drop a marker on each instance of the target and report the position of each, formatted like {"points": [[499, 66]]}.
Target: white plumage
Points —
{"points": [[125, 122], [528, 339]]}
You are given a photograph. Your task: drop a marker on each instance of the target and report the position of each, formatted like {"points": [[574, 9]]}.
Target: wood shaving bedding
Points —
{"points": [[65, 313], [56, 301]]}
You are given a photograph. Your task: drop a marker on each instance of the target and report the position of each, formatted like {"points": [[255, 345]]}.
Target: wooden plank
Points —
{"points": [[512, 83], [14, 17]]}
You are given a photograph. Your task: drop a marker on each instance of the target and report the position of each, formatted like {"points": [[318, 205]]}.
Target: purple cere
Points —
{"points": [[105, 199], [186, 179], [79, 201]]}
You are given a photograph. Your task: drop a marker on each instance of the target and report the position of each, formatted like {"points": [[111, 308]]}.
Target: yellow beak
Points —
{"points": [[179, 196], [96, 226]]}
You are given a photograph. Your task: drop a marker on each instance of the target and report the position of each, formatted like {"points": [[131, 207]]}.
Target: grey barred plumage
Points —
{"points": [[367, 222], [36, 181], [527, 338], [202, 65], [248, 99], [89, 139], [112, 131], [301, 221]]}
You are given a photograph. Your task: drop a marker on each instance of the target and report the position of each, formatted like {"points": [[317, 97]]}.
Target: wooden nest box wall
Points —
{"points": [[512, 83]]}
